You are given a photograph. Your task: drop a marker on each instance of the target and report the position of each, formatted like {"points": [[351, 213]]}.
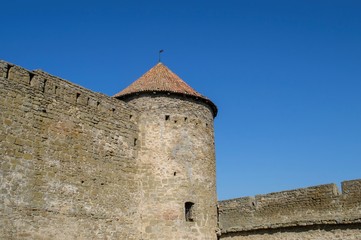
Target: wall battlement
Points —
{"points": [[322, 204], [66, 91]]}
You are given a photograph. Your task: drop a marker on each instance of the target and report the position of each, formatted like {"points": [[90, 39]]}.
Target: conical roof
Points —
{"points": [[161, 79]]}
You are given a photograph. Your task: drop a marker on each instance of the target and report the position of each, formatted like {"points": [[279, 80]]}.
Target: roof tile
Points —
{"points": [[159, 78]]}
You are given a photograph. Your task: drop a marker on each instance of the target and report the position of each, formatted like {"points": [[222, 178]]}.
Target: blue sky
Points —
{"points": [[285, 75]]}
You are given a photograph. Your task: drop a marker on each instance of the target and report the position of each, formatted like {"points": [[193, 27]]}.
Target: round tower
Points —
{"points": [[176, 157]]}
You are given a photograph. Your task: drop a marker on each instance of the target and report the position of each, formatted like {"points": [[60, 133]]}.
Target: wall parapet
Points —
{"points": [[322, 204], [61, 89]]}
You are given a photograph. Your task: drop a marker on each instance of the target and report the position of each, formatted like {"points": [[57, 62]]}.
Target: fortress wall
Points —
{"points": [[319, 232], [67, 167], [295, 214]]}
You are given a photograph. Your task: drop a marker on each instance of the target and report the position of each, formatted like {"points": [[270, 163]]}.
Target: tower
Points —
{"points": [[176, 157]]}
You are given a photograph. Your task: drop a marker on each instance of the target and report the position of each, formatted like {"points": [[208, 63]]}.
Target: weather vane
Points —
{"points": [[160, 51]]}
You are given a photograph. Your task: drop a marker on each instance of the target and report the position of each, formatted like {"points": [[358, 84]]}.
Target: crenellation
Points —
{"points": [[16, 73], [306, 206], [59, 88], [352, 187], [38, 83], [4, 68]]}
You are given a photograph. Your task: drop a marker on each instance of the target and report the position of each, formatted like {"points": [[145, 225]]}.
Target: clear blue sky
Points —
{"points": [[285, 75]]}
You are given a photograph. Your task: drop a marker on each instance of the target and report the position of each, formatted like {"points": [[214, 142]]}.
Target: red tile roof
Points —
{"points": [[161, 79]]}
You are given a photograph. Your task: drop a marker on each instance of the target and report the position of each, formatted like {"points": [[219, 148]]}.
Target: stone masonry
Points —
{"points": [[75, 164], [320, 212], [67, 160], [177, 163]]}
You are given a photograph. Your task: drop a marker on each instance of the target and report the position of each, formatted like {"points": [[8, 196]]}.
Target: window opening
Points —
{"points": [[77, 97], [189, 211], [7, 72], [31, 77], [44, 85]]}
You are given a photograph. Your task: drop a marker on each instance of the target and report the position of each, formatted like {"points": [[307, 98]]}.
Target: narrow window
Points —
{"points": [[7, 72], [77, 97], [189, 211], [135, 141], [166, 117], [44, 85], [31, 77]]}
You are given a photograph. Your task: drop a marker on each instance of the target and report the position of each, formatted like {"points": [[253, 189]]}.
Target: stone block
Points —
{"points": [[19, 74]]}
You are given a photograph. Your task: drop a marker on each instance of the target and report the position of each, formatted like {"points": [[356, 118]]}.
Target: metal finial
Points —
{"points": [[160, 51]]}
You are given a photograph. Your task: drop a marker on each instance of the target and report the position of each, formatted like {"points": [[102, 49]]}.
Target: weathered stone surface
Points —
{"points": [[75, 164], [293, 213], [67, 168], [176, 159], [80, 165], [320, 232]]}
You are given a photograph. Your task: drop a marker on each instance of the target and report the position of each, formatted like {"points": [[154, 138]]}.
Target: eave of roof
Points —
{"points": [[161, 79]]}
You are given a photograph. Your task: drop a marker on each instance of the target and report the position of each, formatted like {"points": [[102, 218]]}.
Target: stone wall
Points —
{"points": [[177, 164], [320, 212], [319, 232], [67, 167], [75, 164]]}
